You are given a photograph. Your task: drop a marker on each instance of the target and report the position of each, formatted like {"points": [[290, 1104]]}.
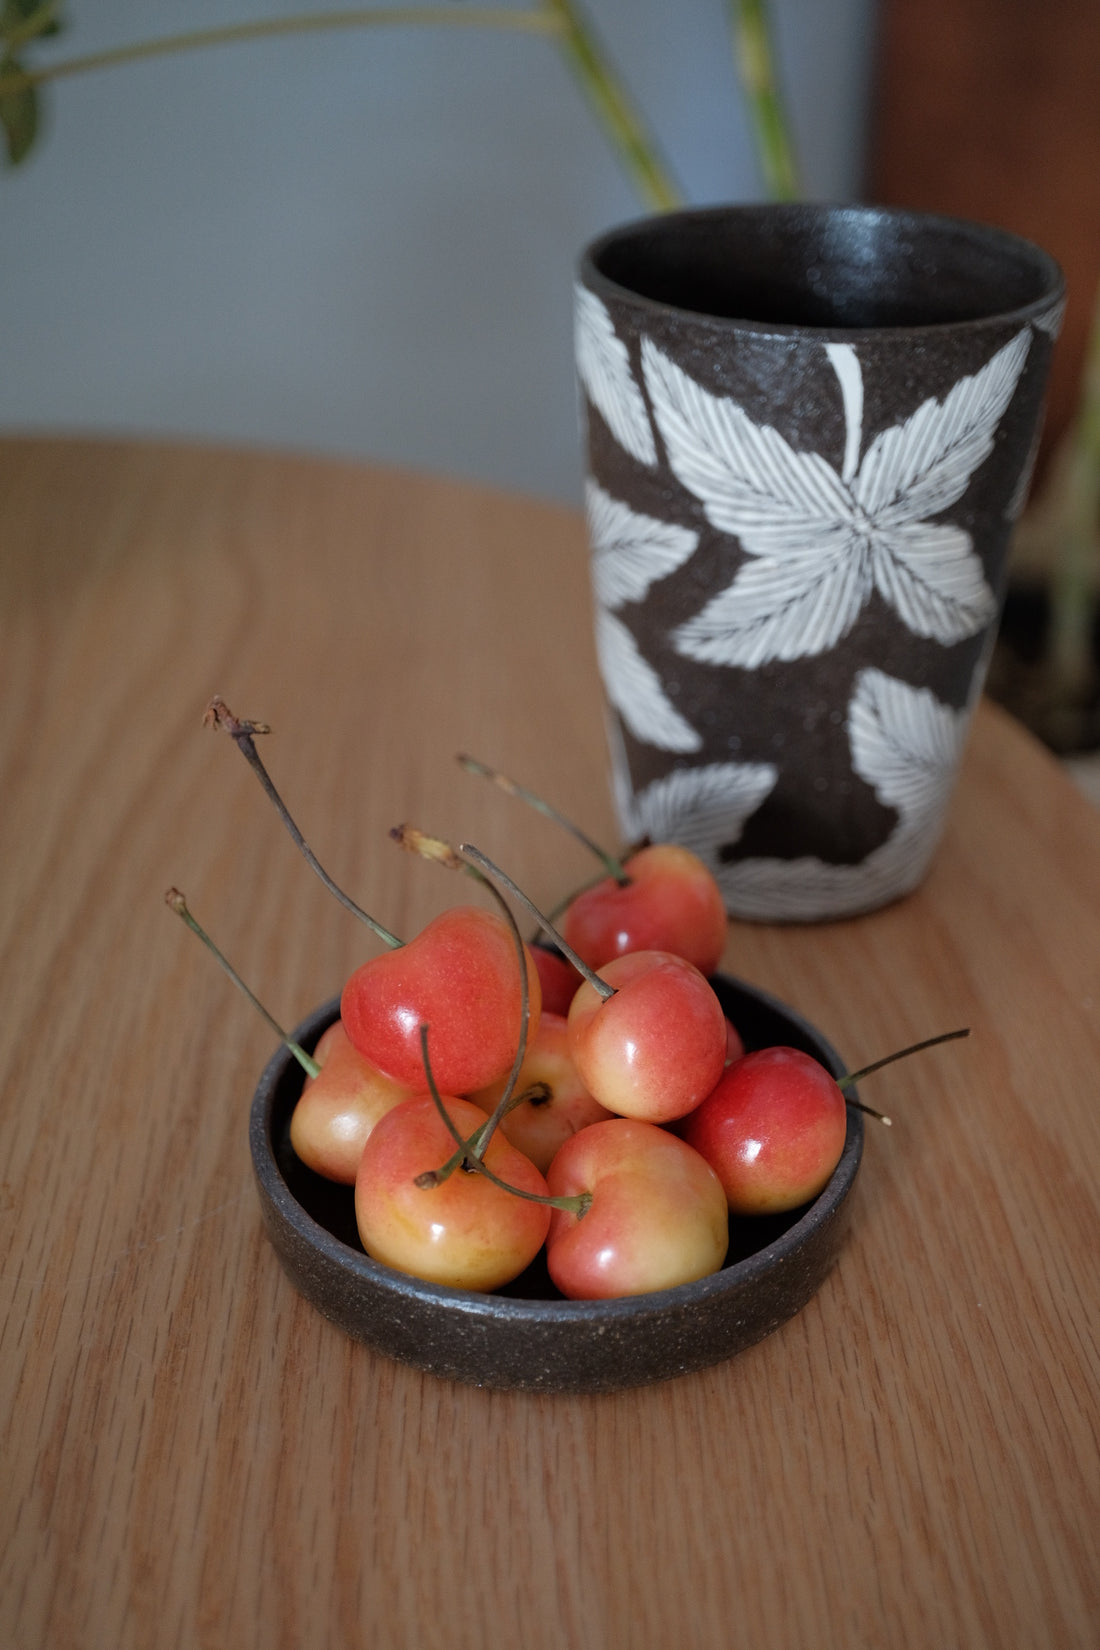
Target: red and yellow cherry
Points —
{"points": [[460, 976], [670, 903], [773, 1130], [538, 1127], [558, 977], [465, 1232], [655, 1048], [657, 1218], [735, 1047], [338, 1109]]}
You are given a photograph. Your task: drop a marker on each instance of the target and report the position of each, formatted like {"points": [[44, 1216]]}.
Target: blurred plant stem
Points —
{"points": [[754, 55], [228, 34], [623, 125], [560, 20]]}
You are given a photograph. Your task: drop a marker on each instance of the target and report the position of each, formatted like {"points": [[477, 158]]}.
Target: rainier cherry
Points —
{"points": [[655, 1048], [668, 902], [661, 899], [657, 1217], [559, 1106], [343, 1096], [460, 975], [339, 1107], [648, 1035], [465, 1232], [558, 977], [772, 1129]]}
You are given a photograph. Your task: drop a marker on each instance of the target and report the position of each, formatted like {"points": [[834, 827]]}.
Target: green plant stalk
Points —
{"points": [[34, 25], [622, 123], [1075, 587], [359, 17], [755, 59]]}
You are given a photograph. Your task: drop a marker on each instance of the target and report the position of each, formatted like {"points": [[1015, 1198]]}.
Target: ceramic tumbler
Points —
{"points": [[809, 432]]}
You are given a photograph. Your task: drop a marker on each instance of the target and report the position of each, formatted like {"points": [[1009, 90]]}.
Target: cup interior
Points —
{"points": [[824, 266]]}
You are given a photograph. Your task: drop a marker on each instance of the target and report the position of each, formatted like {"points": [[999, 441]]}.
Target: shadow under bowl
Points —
{"points": [[527, 1336]]}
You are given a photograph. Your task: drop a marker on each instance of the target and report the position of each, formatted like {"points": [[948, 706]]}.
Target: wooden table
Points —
{"points": [[191, 1455]]}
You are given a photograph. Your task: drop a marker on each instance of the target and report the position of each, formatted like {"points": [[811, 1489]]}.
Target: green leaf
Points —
{"points": [[16, 15], [18, 113]]}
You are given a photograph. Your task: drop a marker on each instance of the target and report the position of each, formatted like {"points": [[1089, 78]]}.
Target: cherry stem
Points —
{"points": [[219, 715], [854, 1077], [474, 856], [175, 899], [468, 1156], [612, 865], [415, 841]]}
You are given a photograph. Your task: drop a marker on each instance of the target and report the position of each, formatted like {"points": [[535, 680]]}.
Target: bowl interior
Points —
{"points": [[761, 1021]]}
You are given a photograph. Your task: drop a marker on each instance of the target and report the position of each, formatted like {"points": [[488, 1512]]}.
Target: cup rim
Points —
{"points": [[1024, 252]]}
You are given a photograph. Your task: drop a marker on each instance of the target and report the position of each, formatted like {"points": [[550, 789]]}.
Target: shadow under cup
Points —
{"points": [[810, 431]]}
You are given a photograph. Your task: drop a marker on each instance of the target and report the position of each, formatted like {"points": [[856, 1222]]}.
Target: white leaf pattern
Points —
{"points": [[923, 466], [779, 610], [631, 551], [603, 366], [906, 745], [703, 808], [635, 689], [934, 584], [816, 543], [750, 481]]}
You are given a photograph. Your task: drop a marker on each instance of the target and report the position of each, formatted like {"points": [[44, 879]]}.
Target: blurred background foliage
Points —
{"points": [[358, 235]]}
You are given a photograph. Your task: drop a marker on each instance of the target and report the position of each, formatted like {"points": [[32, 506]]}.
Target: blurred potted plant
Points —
{"points": [[26, 25], [1046, 667]]}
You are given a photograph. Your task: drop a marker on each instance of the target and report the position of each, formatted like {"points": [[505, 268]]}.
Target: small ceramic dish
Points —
{"points": [[527, 1336]]}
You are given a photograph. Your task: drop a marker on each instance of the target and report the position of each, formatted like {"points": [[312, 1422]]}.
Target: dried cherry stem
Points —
{"points": [[612, 865], [415, 841], [175, 899], [474, 856], [854, 1077], [468, 1158], [218, 715]]}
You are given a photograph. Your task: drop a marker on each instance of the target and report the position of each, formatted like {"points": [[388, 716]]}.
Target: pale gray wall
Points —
{"points": [[363, 243]]}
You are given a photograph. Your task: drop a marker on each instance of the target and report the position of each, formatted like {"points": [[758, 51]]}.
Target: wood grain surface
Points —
{"points": [[191, 1455]]}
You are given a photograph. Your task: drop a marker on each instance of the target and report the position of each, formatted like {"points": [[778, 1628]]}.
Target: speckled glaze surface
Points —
{"points": [[527, 1337], [810, 430]]}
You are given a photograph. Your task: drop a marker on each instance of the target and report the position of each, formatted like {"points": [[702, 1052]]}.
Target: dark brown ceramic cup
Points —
{"points": [[809, 431]]}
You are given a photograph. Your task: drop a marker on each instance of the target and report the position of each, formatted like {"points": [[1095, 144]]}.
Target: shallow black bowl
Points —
{"points": [[527, 1336]]}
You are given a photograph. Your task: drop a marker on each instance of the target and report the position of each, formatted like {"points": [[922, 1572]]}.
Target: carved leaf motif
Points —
{"points": [[923, 466], [631, 551], [780, 609], [817, 543], [703, 809], [906, 745], [603, 366], [635, 689]]}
